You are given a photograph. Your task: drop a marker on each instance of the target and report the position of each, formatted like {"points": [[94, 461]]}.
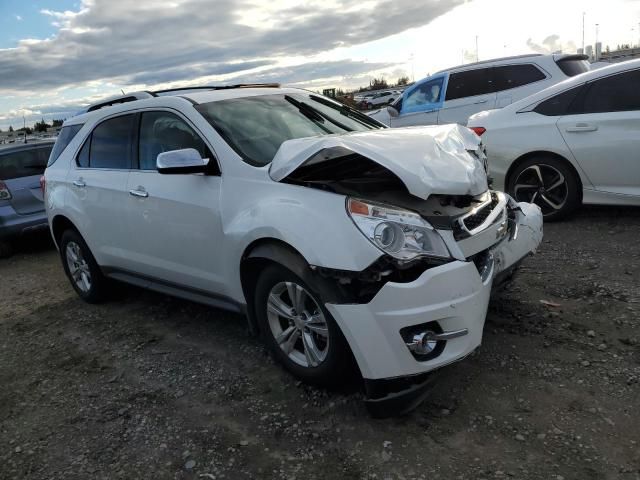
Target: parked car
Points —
{"points": [[381, 98], [337, 237], [21, 202], [576, 142], [452, 95]]}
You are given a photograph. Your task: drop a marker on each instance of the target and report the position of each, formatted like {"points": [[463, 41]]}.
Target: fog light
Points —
{"points": [[423, 343]]}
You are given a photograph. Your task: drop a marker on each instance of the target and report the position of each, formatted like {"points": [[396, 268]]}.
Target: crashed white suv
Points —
{"points": [[337, 237]]}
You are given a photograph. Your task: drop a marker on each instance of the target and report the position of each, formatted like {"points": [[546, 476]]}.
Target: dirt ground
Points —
{"points": [[153, 387]]}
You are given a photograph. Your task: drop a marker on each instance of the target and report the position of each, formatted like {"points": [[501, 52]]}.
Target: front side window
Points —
{"points": [[255, 127], [24, 163], [109, 145], [427, 93], [64, 138], [617, 93], [163, 132]]}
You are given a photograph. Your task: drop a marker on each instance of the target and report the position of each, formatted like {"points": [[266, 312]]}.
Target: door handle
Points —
{"points": [[480, 101], [582, 127], [79, 183], [139, 192]]}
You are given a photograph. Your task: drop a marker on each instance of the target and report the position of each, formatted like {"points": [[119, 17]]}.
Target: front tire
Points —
{"points": [[298, 329], [548, 182], [81, 268]]}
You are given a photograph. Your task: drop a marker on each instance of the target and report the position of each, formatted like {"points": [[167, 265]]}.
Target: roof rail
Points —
{"points": [[157, 93], [132, 97], [129, 97]]}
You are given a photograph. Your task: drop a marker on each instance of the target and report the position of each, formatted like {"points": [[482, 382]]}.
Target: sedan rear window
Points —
{"points": [[24, 163], [255, 127]]}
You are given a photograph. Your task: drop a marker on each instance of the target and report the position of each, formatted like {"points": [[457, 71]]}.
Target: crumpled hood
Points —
{"points": [[428, 160]]}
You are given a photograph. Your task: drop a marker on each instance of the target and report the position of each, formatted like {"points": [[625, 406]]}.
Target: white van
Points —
{"points": [[453, 95]]}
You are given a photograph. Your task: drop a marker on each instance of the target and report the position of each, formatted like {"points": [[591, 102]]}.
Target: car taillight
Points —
{"points": [[5, 194], [43, 184], [478, 130]]}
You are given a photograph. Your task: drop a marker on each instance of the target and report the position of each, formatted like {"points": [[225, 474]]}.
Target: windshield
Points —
{"points": [[255, 127]]}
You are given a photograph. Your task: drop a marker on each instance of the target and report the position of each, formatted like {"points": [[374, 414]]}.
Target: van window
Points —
{"points": [[427, 93], [512, 76], [469, 84], [573, 66]]}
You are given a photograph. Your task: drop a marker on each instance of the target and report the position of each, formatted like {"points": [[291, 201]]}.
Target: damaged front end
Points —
{"points": [[420, 195]]}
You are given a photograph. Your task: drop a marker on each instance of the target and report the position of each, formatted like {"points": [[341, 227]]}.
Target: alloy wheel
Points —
{"points": [[298, 324], [78, 267], [543, 185]]}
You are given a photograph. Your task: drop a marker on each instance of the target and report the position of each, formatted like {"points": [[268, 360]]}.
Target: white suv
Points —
{"points": [[453, 95], [337, 237]]}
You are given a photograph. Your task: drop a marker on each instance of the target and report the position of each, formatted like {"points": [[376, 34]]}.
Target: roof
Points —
{"points": [[517, 59]]}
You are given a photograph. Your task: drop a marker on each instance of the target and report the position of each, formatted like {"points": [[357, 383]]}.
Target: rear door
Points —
{"points": [[21, 171], [468, 92], [514, 82], [603, 132], [97, 192]]}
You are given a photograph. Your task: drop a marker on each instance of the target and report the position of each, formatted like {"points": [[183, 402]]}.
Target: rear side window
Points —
{"points": [[559, 104], [573, 67], [109, 145], [617, 93], [164, 132], [24, 163], [64, 138], [469, 84], [512, 76]]}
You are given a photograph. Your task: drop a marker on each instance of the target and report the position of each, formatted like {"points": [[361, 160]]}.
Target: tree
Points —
{"points": [[56, 122], [403, 80], [10, 128], [41, 126], [378, 84]]}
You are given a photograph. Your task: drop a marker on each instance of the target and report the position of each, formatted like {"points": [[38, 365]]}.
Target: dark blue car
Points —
{"points": [[21, 198]]}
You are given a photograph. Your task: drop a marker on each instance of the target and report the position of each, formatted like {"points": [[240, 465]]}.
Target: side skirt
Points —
{"points": [[175, 290]]}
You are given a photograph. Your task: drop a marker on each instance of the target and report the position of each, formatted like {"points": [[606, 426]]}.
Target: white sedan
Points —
{"points": [[575, 142]]}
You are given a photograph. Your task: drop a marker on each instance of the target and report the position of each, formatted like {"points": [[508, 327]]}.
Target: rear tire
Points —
{"points": [[81, 268], [548, 182], [298, 329]]}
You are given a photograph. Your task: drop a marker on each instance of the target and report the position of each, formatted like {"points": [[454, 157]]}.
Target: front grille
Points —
{"points": [[474, 221]]}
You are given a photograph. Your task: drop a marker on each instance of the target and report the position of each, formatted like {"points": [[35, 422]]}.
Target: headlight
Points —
{"points": [[400, 233]]}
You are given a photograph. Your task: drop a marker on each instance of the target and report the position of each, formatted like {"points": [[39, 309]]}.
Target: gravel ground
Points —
{"points": [[154, 387]]}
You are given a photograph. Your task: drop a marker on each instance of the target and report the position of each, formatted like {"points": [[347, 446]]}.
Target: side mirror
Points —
{"points": [[392, 111], [187, 160]]}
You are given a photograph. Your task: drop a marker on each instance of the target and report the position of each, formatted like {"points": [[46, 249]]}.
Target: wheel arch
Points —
{"points": [[59, 224], [542, 153]]}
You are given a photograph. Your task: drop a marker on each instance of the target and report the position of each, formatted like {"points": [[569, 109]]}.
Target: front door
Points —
{"points": [[421, 103], [174, 219]]}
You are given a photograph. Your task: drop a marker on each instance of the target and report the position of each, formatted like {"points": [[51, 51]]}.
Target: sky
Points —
{"points": [[58, 55]]}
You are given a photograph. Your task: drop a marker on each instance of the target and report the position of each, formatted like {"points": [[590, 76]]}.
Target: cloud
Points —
{"points": [[18, 18], [551, 44], [154, 40]]}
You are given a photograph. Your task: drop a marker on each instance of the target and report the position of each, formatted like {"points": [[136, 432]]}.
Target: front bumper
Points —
{"points": [[454, 295]]}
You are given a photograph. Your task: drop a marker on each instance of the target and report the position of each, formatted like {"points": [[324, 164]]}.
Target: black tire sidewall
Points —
{"points": [[97, 292], [336, 367], [574, 189]]}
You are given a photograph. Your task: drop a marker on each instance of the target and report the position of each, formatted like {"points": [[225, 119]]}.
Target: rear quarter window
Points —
{"points": [[571, 68], [64, 138]]}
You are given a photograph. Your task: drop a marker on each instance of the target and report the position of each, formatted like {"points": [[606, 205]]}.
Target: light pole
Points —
{"points": [[477, 55]]}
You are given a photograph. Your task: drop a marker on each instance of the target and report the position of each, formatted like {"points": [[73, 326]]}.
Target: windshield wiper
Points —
{"points": [[305, 107], [347, 111]]}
